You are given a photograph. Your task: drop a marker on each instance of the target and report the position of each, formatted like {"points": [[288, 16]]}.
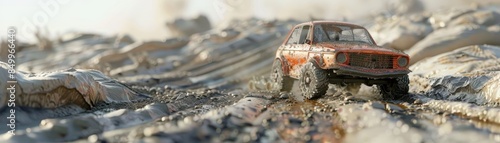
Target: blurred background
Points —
{"points": [[145, 20]]}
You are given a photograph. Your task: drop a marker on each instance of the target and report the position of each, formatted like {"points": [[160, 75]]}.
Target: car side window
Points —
{"points": [[304, 34], [319, 34], [294, 38]]}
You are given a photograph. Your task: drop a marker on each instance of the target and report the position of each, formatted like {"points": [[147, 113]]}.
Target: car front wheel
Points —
{"points": [[313, 81]]}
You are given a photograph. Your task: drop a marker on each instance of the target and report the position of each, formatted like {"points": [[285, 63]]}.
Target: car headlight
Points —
{"points": [[341, 58], [402, 62]]}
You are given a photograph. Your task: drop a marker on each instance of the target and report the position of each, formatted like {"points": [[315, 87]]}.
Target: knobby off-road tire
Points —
{"points": [[280, 82], [396, 89], [313, 81]]}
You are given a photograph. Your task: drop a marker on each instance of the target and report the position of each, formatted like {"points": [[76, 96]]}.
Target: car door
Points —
{"points": [[290, 48], [300, 50]]}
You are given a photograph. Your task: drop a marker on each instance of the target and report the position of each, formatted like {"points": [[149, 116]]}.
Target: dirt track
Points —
{"points": [[242, 116]]}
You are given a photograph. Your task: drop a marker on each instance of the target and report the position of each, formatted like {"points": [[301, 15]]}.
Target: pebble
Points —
{"points": [[283, 96], [376, 105], [418, 101], [393, 108], [349, 98]]}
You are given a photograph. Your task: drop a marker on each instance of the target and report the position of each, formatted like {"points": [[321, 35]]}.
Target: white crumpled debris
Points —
{"points": [[55, 89], [470, 74]]}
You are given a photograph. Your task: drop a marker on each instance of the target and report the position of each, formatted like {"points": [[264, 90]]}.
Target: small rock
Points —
{"points": [[418, 101], [393, 108], [349, 98], [93, 138], [165, 119], [377, 105], [283, 96], [123, 40], [214, 98], [348, 94]]}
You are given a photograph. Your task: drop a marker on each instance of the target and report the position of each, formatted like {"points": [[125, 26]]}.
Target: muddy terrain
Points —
{"points": [[210, 84]]}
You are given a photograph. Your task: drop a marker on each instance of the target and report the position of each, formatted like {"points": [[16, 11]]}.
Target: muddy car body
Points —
{"points": [[320, 52]]}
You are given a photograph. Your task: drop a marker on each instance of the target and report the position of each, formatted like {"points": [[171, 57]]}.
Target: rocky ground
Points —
{"points": [[212, 86]]}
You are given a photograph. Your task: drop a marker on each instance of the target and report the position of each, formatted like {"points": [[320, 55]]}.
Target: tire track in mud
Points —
{"points": [[408, 120], [342, 118], [259, 116]]}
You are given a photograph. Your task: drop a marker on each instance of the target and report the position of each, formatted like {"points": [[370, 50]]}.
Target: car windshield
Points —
{"points": [[337, 33]]}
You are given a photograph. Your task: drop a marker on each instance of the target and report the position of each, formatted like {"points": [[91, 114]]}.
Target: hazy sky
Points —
{"points": [[145, 19], [100, 16]]}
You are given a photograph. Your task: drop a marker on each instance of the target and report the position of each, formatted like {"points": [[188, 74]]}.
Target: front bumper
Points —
{"points": [[369, 73]]}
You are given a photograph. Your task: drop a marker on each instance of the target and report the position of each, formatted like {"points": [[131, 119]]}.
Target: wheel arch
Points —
{"points": [[284, 65], [317, 60]]}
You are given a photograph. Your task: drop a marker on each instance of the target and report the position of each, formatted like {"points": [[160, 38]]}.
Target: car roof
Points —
{"points": [[332, 22]]}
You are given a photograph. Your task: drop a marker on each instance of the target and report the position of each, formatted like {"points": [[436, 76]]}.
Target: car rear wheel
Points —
{"points": [[313, 81], [280, 81], [396, 89]]}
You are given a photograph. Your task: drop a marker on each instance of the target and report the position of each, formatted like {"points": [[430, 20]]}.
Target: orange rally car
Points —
{"points": [[321, 52]]}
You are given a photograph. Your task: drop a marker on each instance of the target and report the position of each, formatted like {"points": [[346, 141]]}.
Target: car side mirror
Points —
{"points": [[308, 41]]}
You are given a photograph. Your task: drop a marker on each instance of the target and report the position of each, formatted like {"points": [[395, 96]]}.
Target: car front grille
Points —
{"points": [[373, 61]]}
